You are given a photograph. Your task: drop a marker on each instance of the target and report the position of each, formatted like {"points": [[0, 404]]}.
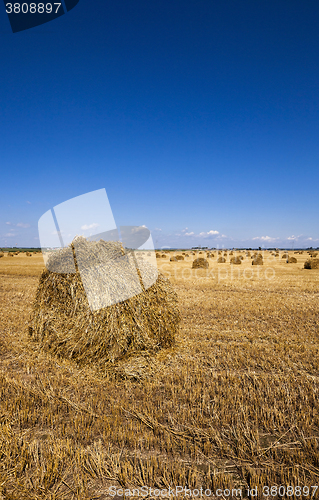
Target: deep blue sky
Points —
{"points": [[195, 116]]}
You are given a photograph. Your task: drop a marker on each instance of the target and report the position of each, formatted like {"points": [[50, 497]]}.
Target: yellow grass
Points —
{"points": [[235, 403]]}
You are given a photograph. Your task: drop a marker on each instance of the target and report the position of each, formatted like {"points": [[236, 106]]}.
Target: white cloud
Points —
{"points": [[184, 230], [21, 224], [265, 238], [28, 202], [189, 234], [8, 223], [212, 232], [8, 235], [91, 226]]}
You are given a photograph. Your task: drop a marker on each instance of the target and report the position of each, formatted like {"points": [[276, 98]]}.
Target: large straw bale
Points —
{"points": [[107, 338], [1, 255], [200, 263], [179, 257]]}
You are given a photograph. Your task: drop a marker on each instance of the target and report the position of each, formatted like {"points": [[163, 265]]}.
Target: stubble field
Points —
{"points": [[234, 404]]}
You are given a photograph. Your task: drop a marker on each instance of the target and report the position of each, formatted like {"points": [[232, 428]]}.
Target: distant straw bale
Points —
{"points": [[221, 260], [235, 260], [311, 264], [292, 260], [258, 260], [200, 263], [164, 256], [179, 257], [9, 254], [107, 338], [284, 256], [158, 255], [173, 259]]}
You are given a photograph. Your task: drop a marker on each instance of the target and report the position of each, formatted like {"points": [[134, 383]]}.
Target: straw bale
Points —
{"points": [[311, 264], [200, 263], [158, 255], [173, 259], [9, 254], [164, 256], [235, 260], [63, 323], [179, 257], [258, 260], [292, 260], [221, 260], [284, 256]]}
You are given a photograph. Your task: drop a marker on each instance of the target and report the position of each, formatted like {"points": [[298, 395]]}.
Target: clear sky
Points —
{"points": [[200, 118]]}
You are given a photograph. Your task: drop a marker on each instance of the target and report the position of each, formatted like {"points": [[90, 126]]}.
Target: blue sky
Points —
{"points": [[199, 118]]}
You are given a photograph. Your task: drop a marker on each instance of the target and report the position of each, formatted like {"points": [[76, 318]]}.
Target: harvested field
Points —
{"points": [[234, 403]]}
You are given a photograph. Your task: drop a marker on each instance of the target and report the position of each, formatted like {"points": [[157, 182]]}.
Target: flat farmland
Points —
{"points": [[234, 404]]}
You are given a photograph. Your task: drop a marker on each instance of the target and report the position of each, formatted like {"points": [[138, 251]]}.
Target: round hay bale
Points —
{"points": [[200, 263], [235, 260], [187, 255], [221, 260], [164, 256], [9, 254], [284, 256], [1, 255], [158, 255], [28, 254], [292, 260], [64, 324], [173, 259]]}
